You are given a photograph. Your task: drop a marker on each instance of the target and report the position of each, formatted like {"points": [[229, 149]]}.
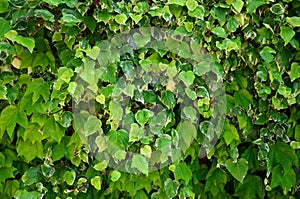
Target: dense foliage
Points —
{"points": [[56, 54]]}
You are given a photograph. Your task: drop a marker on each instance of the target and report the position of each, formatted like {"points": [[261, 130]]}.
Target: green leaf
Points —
{"points": [[266, 53], [47, 170], [219, 31], [31, 176], [135, 132], [230, 133], [119, 138], [3, 7], [238, 5], [30, 150], [295, 71], [92, 125], [53, 130], [191, 5], [243, 98], [142, 116], [282, 153], [198, 12], [69, 177], [140, 162], [45, 14], [6, 172], [294, 21], [26, 42], [4, 26], [39, 88], [187, 77], [252, 5], [121, 19], [182, 171], [177, 2], [237, 169], [168, 99], [65, 74], [10, 116], [115, 175], [286, 34], [96, 182], [171, 187], [187, 132], [23, 194], [277, 9]]}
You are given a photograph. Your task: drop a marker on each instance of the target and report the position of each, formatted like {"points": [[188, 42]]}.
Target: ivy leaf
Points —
{"points": [[121, 19], [4, 26], [30, 150], [191, 5], [140, 162], [96, 182], [266, 53], [282, 153], [47, 170], [6, 172], [115, 175], [295, 71], [252, 5], [171, 187], [3, 7], [31, 176], [187, 77], [142, 116], [39, 88], [69, 177], [219, 31], [119, 138], [10, 116], [177, 2], [243, 98], [53, 130], [26, 42], [294, 21], [187, 132], [168, 99], [65, 74], [286, 34], [182, 171], [238, 170], [238, 5], [230, 133], [23, 194]]}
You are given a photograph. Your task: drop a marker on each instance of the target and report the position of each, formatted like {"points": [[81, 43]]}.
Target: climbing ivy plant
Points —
{"points": [[56, 54]]}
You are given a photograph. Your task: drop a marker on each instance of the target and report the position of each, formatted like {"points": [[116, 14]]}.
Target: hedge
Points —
{"points": [[149, 99]]}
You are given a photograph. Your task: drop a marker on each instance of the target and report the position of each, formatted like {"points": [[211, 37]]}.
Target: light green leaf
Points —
{"points": [[238, 5], [45, 14], [115, 175], [178, 2], [182, 171], [140, 162], [146, 151], [26, 42], [92, 125], [187, 77], [69, 177], [294, 21], [219, 31], [187, 132], [6, 172], [30, 150], [93, 53], [198, 12], [243, 98], [96, 182], [191, 5], [237, 169], [65, 74], [295, 71], [3, 7], [142, 116], [266, 53], [230, 133], [23, 194], [121, 19], [286, 34], [135, 132]]}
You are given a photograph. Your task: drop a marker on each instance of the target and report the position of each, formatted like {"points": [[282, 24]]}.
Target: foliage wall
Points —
{"points": [[43, 46]]}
